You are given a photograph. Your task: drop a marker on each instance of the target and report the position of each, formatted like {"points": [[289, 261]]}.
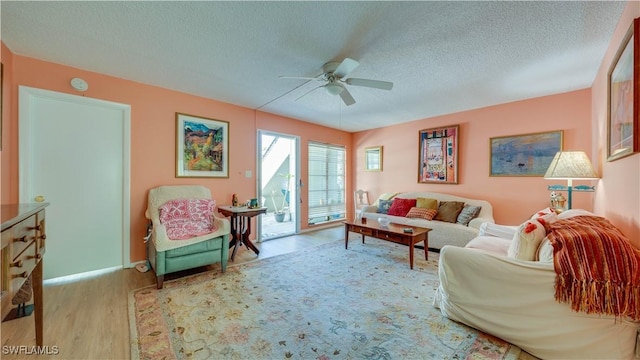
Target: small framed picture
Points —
{"points": [[373, 158], [202, 147]]}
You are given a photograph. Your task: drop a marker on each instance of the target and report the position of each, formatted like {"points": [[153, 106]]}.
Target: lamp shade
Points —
{"points": [[570, 165]]}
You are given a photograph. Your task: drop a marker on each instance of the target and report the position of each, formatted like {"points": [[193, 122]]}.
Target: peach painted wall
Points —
{"points": [[153, 129], [513, 198], [9, 130], [618, 193]]}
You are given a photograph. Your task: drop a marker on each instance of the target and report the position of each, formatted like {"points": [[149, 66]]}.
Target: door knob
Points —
{"points": [[39, 198]]}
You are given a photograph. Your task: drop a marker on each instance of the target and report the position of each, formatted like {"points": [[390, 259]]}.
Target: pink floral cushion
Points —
{"points": [[187, 218]]}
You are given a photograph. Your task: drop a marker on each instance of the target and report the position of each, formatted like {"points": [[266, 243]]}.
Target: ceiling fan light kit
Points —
{"points": [[334, 88], [334, 73]]}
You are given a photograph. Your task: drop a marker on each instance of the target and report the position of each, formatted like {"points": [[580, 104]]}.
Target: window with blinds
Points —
{"points": [[326, 182]]}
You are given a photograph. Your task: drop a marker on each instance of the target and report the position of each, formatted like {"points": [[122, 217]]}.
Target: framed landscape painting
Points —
{"points": [[438, 155], [523, 155], [624, 92], [202, 147]]}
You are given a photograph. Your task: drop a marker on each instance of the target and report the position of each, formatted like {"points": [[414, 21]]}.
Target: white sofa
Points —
{"points": [[443, 233], [512, 299]]}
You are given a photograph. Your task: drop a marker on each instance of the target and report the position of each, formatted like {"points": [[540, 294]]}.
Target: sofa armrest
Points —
{"points": [[514, 300], [501, 231]]}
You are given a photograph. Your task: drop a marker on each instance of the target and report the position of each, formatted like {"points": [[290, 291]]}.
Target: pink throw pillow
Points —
{"points": [[401, 207]]}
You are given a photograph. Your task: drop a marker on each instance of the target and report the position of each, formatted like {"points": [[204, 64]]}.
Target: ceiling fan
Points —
{"points": [[334, 73]]}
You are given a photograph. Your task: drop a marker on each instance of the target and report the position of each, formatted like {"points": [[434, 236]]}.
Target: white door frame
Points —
{"points": [[26, 195], [297, 225]]}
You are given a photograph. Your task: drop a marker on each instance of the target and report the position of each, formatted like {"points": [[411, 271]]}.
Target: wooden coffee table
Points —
{"points": [[392, 232]]}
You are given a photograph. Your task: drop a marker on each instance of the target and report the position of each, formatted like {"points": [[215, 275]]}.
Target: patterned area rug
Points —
{"points": [[320, 303]]}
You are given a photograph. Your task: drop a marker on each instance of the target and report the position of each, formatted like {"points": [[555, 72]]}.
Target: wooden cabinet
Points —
{"points": [[23, 248]]}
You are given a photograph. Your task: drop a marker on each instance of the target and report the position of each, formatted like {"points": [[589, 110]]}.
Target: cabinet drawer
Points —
{"points": [[7, 237], [22, 266], [359, 230], [389, 236], [41, 234], [23, 234]]}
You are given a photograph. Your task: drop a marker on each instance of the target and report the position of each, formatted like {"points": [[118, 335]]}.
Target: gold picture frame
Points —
{"points": [[438, 155], [523, 155], [202, 147], [373, 158], [623, 93]]}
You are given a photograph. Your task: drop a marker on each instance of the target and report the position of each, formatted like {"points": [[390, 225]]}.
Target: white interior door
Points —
{"points": [[74, 152]]}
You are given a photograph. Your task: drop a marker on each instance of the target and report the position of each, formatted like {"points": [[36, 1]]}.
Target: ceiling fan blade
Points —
{"points": [[347, 98], [298, 77], [308, 92], [346, 66], [377, 84]]}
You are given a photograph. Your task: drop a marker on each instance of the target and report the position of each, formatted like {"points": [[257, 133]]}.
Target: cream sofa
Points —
{"points": [[443, 233], [513, 299]]}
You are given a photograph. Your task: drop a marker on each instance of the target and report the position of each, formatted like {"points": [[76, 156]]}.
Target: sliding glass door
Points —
{"points": [[277, 185]]}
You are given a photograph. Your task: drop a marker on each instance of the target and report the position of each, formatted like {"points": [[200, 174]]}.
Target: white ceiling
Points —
{"points": [[442, 57]]}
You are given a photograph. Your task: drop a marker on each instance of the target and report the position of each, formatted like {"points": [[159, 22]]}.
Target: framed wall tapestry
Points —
{"points": [[438, 155], [202, 147], [523, 155], [373, 158], [623, 91]]}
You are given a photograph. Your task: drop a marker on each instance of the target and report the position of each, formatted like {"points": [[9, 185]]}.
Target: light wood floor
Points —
{"points": [[87, 319]]}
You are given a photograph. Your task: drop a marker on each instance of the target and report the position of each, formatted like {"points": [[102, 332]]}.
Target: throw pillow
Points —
{"points": [[400, 207], [384, 205], [545, 217], [467, 214], [427, 203], [421, 213], [526, 241], [384, 196], [545, 251], [448, 211]]}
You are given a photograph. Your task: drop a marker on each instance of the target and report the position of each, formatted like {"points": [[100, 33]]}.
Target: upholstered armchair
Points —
{"points": [[185, 230]]}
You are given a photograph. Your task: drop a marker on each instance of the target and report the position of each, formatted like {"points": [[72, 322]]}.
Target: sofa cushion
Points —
{"points": [[526, 241], [427, 203], [384, 206], [421, 213], [448, 211], [400, 207], [490, 243], [468, 213]]}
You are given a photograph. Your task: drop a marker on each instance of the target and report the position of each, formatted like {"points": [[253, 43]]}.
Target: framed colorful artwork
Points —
{"points": [[438, 155], [623, 91], [202, 147], [523, 155], [373, 158]]}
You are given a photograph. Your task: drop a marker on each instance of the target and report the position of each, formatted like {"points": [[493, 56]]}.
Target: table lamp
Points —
{"points": [[570, 165]]}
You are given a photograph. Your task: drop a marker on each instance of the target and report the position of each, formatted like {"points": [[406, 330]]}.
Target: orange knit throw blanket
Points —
{"points": [[598, 270]]}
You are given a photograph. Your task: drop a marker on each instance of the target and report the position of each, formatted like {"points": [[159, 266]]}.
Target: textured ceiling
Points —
{"points": [[442, 57]]}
